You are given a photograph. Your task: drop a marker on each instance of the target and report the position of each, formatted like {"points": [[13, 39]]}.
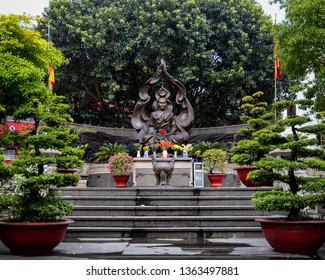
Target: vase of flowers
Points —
{"points": [[176, 148], [186, 149], [153, 148], [165, 145], [120, 165], [146, 151]]}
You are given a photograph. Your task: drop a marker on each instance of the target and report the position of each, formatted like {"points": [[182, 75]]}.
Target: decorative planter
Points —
{"points": [[242, 173], [121, 180], [163, 169], [66, 171], [216, 179], [34, 238], [295, 237]]}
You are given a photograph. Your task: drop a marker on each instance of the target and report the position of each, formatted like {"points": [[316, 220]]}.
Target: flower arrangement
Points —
{"points": [[120, 163], [164, 144], [176, 147], [187, 148], [146, 148]]}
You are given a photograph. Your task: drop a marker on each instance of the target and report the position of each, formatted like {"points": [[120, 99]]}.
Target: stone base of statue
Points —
{"points": [[163, 169]]}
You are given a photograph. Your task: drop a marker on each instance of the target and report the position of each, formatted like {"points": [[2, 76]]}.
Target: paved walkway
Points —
{"points": [[163, 249]]}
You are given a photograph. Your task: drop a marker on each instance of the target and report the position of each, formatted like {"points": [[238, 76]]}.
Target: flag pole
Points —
{"points": [[275, 77], [51, 79], [275, 97]]}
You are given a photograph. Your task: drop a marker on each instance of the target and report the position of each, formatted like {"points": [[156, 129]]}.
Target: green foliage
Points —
{"points": [[202, 146], [31, 194], [24, 60], [220, 50], [109, 149], [214, 159], [39, 209], [5, 171], [247, 151], [301, 39], [302, 154]]}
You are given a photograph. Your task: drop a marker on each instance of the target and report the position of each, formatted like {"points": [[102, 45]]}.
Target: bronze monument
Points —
{"points": [[162, 123]]}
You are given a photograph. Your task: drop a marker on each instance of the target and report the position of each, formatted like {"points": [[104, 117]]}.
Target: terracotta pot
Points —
{"points": [[216, 179], [121, 180], [34, 238], [242, 173], [295, 237]]}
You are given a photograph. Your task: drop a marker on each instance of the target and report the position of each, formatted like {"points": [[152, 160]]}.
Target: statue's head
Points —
{"points": [[162, 103]]}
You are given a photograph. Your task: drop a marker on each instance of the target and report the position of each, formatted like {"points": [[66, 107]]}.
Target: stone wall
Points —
{"points": [[132, 134]]}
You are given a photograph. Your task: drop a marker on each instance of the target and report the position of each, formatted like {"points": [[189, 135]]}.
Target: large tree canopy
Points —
{"points": [[24, 61], [221, 51], [302, 43]]}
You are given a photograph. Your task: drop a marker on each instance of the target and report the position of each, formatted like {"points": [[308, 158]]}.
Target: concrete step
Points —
{"points": [[232, 210], [161, 200], [153, 233], [151, 212], [164, 221], [145, 191]]}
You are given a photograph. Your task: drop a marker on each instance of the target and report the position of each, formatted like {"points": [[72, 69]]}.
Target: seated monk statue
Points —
{"points": [[162, 123]]}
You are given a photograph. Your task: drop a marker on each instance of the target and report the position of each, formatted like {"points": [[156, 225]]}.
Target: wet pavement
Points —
{"points": [[163, 249]]}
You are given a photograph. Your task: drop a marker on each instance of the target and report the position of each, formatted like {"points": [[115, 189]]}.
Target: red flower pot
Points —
{"points": [[242, 173], [216, 179], [121, 180], [33, 238], [295, 237]]}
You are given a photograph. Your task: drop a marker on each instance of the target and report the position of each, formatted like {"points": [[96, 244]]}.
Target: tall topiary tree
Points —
{"points": [[33, 197], [296, 136], [24, 59]]}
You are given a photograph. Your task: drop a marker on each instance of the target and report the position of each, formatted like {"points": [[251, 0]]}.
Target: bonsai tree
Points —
{"points": [[303, 153], [214, 159], [33, 196], [248, 150]]}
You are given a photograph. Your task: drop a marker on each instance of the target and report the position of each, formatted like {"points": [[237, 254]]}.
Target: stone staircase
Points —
{"points": [[153, 213]]}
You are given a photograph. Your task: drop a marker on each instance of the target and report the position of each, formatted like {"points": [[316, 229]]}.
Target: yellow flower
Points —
{"points": [[187, 148], [176, 147]]}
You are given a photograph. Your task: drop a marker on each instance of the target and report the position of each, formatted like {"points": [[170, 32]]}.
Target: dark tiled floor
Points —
{"points": [[164, 249]]}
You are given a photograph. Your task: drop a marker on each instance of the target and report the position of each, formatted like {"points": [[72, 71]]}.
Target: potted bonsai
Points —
{"points": [[214, 160], [248, 150], [33, 220], [120, 165], [303, 230]]}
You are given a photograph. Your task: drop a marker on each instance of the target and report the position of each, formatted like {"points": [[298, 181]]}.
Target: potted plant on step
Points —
{"points": [[120, 165], [33, 221], [299, 166], [246, 151], [214, 160], [32, 210]]}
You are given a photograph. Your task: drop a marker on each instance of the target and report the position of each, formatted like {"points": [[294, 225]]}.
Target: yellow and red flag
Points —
{"points": [[51, 77], [277, 70]]}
